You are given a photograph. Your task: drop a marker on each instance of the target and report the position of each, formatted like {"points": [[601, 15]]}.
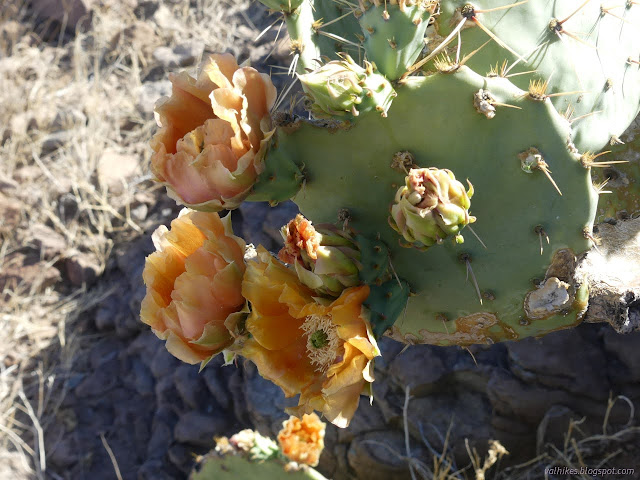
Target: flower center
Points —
{"points": [[322, 341]]}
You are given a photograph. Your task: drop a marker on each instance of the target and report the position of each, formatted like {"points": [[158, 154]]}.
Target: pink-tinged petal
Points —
{"points": [[220, 69], [192, 291]]}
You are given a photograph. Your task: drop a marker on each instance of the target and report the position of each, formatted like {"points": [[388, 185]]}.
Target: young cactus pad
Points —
{"points": [[350, 169], [583, 51]]}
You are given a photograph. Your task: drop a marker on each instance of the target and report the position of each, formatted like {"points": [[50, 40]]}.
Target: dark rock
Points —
{"points": [[199, 428], [419, 366], [382, 456], [162, 427], [216, 386], [183, 457], [265, 402], [625, 349], [154, 470], [49, 242], [253, 216], [277, 217], [99, 381], [163, 363], [192, 389], [580, 369], [105, 350], [82, 269]]}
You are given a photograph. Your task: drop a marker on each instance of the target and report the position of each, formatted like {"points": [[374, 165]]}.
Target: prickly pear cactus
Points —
{"points": [[445, 177]]}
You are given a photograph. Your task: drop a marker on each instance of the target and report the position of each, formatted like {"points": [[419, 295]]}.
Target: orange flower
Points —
{"points": [[214, 134], [194, 286], [320, 349], [302, 440]]}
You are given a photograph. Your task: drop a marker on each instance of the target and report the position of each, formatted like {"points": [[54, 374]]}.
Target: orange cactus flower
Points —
{"points": [[194, 286], [302, 440], [319, 349], [214, 134]]}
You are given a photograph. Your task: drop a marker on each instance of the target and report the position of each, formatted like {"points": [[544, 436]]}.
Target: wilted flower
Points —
{"points": [[325, 258], [194, 286], [214, 134], [320, 349], [430, 207], [302, 440]]}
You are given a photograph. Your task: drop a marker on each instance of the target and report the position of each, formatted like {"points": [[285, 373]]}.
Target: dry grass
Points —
{"points": [[85, 91]]}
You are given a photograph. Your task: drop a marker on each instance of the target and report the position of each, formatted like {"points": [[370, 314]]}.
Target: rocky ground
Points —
{"points": [[88, 392]]}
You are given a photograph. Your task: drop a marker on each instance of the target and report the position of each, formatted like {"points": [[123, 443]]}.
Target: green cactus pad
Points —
{"points": [[238, 467], [591, 53], [386, 303], [282, 5], [393, 35], [350, 168]]}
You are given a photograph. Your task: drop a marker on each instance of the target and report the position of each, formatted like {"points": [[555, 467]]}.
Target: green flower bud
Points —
{"points": [[344, 89], [431, 206]]}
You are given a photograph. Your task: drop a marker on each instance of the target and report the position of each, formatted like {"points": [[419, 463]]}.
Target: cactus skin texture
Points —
{"points": [[591, 52], [215, 466], [511, 97]]}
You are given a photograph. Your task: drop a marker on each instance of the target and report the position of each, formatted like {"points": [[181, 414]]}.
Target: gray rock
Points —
{"points": [[180, 55], [198, 428], [53, 141], [115, 169], [277, 217], [150, 93]]}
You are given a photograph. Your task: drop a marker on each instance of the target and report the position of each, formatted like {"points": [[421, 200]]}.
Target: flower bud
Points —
{"points": [[325, 258], [342, 88], [430, 207]]}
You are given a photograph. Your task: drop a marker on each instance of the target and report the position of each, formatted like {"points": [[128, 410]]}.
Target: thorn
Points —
{"points": [[600, 187], [615, 140], [497, 40], [596, 241], [470, 353], [503, 7], [436, 50], [466, 258], [477, 236], [587, 160], [532, 160], [394, 271], [604, 11], [574, 12], [539, 230], [584, 116]]}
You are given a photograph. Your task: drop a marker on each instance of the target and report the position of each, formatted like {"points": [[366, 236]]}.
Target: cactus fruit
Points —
{"points": [[517, 98]]}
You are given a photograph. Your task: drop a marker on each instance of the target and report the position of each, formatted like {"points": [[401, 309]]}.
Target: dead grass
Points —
{"points": [[82, 93]]}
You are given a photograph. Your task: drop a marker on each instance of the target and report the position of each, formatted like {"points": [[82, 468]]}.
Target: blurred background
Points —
{"points": [[88, 392]]}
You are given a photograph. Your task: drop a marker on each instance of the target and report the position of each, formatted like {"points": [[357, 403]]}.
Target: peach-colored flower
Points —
{"points": [[194, 286], [214, 134], [319, 349], [302, 440]]}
